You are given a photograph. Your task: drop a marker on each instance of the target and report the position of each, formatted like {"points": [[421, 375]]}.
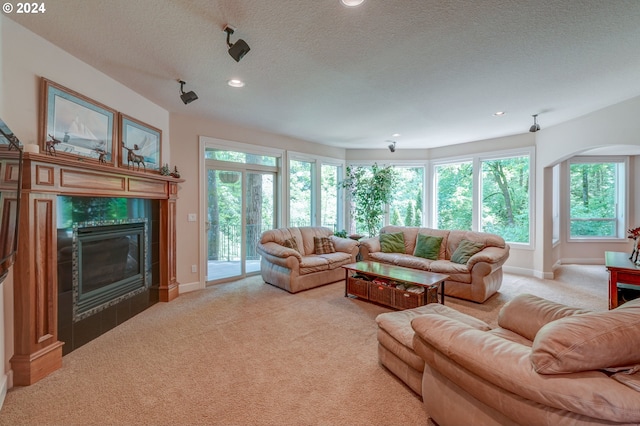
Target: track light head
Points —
{"points": [[188, 97], [535, 127], [238, 49], [392, 146]]}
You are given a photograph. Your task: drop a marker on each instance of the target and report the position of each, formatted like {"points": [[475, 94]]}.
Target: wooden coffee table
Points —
{"points": [[375, 290]]}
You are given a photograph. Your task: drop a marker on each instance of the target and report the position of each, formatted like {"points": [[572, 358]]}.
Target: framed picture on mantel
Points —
{"points": [[73, 125], [140, 145]]}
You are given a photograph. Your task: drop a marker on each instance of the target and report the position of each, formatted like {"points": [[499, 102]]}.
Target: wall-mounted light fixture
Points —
{"points": [[188, 97], [535, 127], [238, 49], [392, 146]]}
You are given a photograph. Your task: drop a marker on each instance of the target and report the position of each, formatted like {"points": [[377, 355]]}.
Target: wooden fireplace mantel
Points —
{"points": [[37, 351]]}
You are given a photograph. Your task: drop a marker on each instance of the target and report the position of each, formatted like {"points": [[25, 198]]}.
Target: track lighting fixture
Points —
{"points": [[188, 97], [392, 146], [238, 49], [535, 126]]}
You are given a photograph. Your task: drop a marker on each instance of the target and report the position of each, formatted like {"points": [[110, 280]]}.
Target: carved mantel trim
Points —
{"points": [[37, 351]]}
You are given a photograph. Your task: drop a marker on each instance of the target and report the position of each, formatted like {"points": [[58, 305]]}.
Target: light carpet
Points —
{"points": [[247, 353]]}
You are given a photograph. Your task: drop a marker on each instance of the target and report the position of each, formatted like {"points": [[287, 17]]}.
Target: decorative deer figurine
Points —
{"points": [[134, 158], [101, 155], [50, 145]]}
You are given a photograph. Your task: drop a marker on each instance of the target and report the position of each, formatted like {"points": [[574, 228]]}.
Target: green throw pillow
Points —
{"points": [[392, 243], [428, 246], [465, 250]]}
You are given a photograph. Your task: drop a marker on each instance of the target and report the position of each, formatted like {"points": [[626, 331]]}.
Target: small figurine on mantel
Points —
{"points": [[51, 145], [176, 173], [133, 158], [165, 170]]}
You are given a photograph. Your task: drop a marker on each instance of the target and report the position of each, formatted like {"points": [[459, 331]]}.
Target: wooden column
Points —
{"points": [[37, 351], [168, 277]]}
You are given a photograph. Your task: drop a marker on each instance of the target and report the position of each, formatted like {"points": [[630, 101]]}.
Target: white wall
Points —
{"points": [[24, 58]]}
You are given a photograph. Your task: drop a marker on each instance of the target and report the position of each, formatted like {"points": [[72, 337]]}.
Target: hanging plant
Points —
{"points": [[371, 189], [229, 177]]}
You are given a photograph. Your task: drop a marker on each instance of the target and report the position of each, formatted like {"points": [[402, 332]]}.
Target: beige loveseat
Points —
{"points": [[545, 364], [476, 280], [303, 268]]}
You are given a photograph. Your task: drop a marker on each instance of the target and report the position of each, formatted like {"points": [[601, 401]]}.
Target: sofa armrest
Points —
{"points": [[495, 256], [369, 245], [345, 245], [526, 314], [280, 255], [471, 358]]}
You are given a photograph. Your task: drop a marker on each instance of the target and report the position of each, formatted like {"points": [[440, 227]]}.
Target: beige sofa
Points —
{"points": [[302, 269], [545, 364], [476, 280]]}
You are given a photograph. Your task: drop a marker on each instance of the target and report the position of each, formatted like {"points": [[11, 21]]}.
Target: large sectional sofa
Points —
{"points": [[305, 265], [476, 279], [545, 363]]}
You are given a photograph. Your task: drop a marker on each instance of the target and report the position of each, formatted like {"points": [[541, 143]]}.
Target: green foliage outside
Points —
{"points": [[454, 196], [592, 194], [505, 198]]}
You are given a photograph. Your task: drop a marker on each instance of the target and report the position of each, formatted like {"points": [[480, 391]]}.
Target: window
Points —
{"points": [[453, 196], [407, 206], [300, 193], [329, 199], [505, 196], [596, 198], [555, 206]]}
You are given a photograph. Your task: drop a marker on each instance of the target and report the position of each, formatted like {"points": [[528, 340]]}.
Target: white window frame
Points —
{"points": [[622, 204]]}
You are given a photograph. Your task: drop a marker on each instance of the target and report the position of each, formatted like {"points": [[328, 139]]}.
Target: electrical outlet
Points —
{"points": [[194, 268], [192, 217]]}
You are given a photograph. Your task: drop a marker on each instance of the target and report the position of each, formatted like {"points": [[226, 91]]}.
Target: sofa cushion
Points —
{"points": [[323, 245], [589, 341], [312, 263], [291, 243], [392, 243], [465, 250], [428, 246]]}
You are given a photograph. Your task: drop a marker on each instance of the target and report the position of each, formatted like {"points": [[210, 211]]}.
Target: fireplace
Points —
{"points": [[109, 264], [106, 254], [45, 326]]}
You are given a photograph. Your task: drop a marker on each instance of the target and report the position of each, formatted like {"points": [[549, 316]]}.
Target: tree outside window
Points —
{"points": [[505, 198], [406, 205], [454, 196], [300, 206], [594, 199]]}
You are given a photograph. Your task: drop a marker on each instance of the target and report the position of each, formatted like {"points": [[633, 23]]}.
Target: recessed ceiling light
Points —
{"points": [[499, 114], [395, 135], [352, 3], [234, 82]]}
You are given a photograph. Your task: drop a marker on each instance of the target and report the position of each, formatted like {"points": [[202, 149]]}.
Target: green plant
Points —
{"points": [[371, 189], [341, 234]]}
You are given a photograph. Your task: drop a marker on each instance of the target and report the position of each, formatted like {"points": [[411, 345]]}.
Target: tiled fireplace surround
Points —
{"points": [[37, 348]]}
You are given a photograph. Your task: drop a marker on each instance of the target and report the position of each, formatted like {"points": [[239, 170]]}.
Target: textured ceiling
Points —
{"points": [[433, 70]]}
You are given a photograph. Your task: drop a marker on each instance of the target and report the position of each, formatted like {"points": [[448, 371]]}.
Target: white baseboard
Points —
{"points": [[583, 261], [4, 387], [528, 272], [185, 288]]}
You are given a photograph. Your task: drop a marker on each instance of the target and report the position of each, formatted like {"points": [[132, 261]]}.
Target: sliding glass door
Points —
{"points": [[240, 206]]}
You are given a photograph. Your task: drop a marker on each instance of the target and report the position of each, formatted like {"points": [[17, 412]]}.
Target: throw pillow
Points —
{"points": [[323, 245], [427, 246], [392, 243], [291, 243], [465, 250]]}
